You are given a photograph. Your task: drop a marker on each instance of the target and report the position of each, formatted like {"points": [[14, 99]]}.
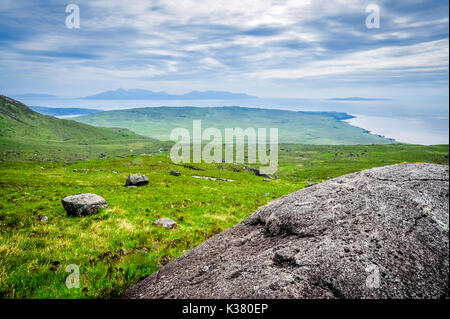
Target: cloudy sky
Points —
{"points": [[267, 48]]}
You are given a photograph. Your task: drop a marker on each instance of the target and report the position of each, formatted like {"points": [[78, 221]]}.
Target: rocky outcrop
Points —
{"points": [[83, 204], [136, 180], [380, 233]]}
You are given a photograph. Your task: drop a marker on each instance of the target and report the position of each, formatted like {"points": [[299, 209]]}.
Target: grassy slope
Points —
{"points": [[293, 127], [119, 246], [28, 135]]}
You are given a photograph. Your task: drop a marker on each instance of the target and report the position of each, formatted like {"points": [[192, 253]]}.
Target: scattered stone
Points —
{"points": [[166, 223], [102, 155], [44, 219], [42, 167], [83, 204], [132, 186], [266, 194], [81, 171], [114, 172], [257, 172], [380, 233], [214, 178], [136, 180], [174, 173]]}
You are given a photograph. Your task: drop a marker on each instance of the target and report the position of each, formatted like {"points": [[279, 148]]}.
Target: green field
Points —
{"points": [[319, 128], [119, 246]]}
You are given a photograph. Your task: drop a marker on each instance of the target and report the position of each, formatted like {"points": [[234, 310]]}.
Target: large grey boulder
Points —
{"points": [[83, 204], [136, 180], [380, 233]]}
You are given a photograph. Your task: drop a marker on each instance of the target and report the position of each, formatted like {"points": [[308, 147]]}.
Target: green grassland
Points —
{"points": [[321, 162], [319, 128], [28, 135], [119, 246]]}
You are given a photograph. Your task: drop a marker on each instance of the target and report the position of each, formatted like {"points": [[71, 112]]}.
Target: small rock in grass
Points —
{"points": [[132, 186], [136, 180], [75, 170], [83, 204], [266, 194], [175, 173], [166, 223], [44, 219]]}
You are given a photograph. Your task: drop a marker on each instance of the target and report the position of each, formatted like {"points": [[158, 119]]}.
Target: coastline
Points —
{"points": [[411, 130]]}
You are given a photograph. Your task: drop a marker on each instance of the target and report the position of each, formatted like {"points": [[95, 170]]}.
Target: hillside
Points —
{"points": [[28, 135], [320, 128]]}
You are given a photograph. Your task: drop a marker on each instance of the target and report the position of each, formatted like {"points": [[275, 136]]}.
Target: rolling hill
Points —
{"points": [[320, 128], [28, 135]]}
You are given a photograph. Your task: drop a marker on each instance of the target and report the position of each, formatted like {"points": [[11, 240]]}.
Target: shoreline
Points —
{"points": [[412, 130]]}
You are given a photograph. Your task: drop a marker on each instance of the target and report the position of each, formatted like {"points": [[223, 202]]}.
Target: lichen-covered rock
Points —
{"points": [[165, 222], [379, 233], [136, 180], [83, 204]]}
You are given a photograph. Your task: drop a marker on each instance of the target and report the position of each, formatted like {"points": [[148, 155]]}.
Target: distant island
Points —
{"points": [[139, 94]]}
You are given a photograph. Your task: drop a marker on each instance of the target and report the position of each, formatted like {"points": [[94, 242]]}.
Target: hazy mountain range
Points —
{"points": [[139, 94]]}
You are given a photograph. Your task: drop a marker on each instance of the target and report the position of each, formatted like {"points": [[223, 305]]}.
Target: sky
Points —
{"points": [[266, 48]]}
